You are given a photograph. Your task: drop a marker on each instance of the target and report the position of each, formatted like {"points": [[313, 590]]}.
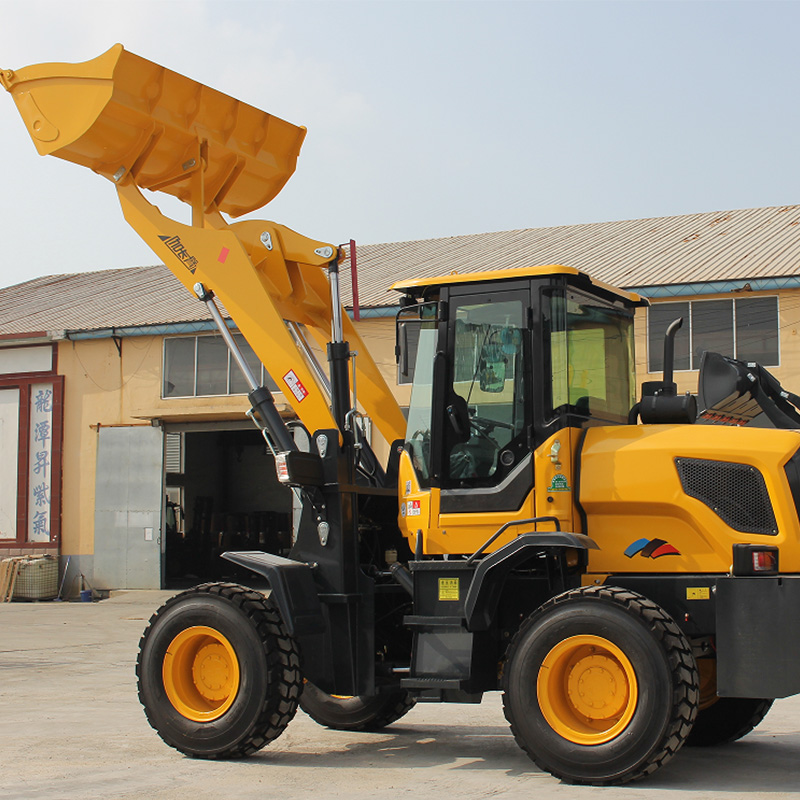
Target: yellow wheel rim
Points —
{"points": [[587, 690], [201, 674]]}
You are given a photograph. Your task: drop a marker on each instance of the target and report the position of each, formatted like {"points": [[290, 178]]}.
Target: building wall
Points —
{"points": [[788, 373], [104, 387], [108, 387]]}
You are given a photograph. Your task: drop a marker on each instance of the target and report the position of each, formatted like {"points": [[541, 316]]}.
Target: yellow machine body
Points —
{"points": [[630, 488]]}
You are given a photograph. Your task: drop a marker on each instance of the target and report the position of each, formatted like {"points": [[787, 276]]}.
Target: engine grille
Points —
{"points": [[735, 492]]}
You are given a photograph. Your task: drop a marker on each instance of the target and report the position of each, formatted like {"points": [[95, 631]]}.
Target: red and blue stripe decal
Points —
{"points": [[651, 548]]}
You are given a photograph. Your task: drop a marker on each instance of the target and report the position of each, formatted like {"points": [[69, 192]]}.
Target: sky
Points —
{"points": [[433, 118]]}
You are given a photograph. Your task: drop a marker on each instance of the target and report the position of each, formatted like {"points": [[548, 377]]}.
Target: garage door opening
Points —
{"points": [[221, 494]]}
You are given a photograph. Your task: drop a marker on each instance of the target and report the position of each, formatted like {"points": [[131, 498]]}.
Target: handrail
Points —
{"points": [[480, 551]]}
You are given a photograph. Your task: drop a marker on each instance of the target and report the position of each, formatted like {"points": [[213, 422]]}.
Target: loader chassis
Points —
{"points": [[628, 579]]}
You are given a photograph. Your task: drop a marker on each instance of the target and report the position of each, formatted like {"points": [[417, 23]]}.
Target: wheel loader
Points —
{"points": [[628, 576]]}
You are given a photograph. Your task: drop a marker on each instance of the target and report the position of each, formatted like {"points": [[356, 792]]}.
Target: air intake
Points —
{"points": [[735, 492]]}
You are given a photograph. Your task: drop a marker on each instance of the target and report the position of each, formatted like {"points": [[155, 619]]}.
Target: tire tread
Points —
{"points": [[679, 652], [283, 663]]}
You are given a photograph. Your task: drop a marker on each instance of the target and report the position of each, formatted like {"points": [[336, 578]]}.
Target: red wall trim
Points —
{"points": [[24, 383]]}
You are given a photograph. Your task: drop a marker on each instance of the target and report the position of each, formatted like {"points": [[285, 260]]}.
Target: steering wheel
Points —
{"points": [[485, 426]]}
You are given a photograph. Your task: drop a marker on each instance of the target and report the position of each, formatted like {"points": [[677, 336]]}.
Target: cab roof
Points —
{"points": [[416, 285]]}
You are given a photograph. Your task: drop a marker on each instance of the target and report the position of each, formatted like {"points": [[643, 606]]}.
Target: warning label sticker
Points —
{"points": [[295, 386], [448, 589], [413, 508], [698, 593]]}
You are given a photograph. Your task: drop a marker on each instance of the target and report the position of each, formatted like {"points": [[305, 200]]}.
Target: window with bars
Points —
{"points": [[745, 328], [201, 366]]}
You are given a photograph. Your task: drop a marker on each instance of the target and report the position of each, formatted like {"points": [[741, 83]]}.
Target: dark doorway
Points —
{"points": [[225, 496]]}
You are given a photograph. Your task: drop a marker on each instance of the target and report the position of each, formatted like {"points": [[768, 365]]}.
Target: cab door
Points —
{"points": [[482, 445]]}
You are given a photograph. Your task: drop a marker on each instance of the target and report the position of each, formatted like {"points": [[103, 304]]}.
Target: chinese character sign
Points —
{"points": [[40, 474]]}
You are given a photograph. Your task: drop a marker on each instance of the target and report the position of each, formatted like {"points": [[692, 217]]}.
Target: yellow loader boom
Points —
{"points": [[145, 127]]}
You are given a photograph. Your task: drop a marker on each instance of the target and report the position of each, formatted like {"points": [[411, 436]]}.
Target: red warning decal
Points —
{"points": [[295, 386], [223, 255]]}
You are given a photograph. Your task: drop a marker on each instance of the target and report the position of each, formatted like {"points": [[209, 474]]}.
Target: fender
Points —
{"points": [[484, 591], [292, 587]]}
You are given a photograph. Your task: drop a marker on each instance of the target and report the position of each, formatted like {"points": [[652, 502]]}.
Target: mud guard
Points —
{"points": [[293, 589], [484, 592]]}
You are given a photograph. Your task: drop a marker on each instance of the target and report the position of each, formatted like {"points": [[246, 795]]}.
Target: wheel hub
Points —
{"points": [[201, 673], [587, 689], [211, 671], [597, 687]]}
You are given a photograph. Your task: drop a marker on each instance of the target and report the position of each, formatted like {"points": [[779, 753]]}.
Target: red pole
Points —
{"points": [[354, 279]]}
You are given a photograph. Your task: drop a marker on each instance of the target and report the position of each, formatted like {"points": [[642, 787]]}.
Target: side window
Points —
{"points": [[417, 337], [420, 410], [746, 328], [485, 401], [591, 356], [412, 335], [197, 366]]}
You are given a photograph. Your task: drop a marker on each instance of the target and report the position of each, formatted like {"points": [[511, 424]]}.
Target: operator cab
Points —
{"points": [[501, 361]]}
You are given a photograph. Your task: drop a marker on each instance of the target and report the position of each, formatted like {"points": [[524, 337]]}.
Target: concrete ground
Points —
{"points": [[71, 727]]}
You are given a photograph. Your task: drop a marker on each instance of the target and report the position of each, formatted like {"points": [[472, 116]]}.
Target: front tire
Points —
{"points": [[360, 713], [219, 675], [600, 686]]}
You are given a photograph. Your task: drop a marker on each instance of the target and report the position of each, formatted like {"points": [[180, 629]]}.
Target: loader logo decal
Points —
{"points": [[174, 244], [559, 484], [651, 548]]}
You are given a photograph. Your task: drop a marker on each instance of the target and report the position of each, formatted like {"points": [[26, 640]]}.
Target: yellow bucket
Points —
{"points": [[122, 115]]}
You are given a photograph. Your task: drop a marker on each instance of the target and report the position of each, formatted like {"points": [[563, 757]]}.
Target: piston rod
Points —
{"points": [[260, 396]]}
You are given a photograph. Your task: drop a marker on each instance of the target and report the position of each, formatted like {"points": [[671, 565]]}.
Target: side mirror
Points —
{"points": [[401, 351]]}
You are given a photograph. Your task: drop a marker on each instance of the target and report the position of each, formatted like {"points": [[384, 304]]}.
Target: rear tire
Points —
{"points": [[219, 675], [360, 713], [600, 686], [722, 720]]}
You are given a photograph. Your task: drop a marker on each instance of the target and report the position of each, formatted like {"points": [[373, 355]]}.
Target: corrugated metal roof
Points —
{"points": [[91, 300], [693, 248]]}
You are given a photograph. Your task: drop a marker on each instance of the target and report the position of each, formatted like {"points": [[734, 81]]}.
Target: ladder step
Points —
{"points": [[437, 623], [432, 683]]}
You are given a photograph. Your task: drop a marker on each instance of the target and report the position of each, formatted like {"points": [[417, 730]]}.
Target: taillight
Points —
{"points": [[764, 561], [755, 559]]}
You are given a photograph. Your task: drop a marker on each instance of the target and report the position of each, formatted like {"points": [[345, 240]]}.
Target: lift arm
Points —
{"points": [[145, 127]]}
